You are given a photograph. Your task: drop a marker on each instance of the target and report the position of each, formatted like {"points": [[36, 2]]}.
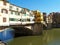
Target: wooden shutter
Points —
{"points": [[4, 19]]}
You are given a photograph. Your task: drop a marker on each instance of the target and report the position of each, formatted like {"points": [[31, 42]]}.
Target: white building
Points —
{"points": [[4, 13], [14, 15]]}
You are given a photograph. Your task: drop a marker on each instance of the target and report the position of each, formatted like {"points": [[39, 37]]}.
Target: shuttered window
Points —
{"points": [[4, 19]]}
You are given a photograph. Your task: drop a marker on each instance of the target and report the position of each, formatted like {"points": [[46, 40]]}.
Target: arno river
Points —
{"points": [[49, 37]]}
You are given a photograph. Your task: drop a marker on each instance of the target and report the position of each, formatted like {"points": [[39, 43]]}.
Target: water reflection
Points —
{"points": [[30, 43], [47, 38], [50, 37]]}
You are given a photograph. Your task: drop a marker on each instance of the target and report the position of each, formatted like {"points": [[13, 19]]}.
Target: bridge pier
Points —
{"points": [[37, 29]]}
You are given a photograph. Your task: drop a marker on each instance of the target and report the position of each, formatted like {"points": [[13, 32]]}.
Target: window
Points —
{"points": [[33, 20], [22, 11], [17, 9], [25, 14], [28, 19], [31, 15], [18, 13], [23, 20], [20, 20], [11, 12], [4, 19], [13, 19], [4, 2], [10, 7], [4, 11]]}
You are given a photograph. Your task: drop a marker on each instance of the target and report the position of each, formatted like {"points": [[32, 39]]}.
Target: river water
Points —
{"points": [[49, 37]]}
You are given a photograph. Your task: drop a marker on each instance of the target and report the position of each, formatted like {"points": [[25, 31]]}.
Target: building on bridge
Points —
{"points": [[38, 16], [11, 14], [38, 27]]}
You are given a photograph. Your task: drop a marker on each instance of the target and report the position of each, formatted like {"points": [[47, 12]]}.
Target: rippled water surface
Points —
{"points": [[49, 37]]}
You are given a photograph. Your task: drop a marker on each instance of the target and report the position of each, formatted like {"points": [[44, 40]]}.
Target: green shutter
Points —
{"points": [[18, 13], [11, 12]]}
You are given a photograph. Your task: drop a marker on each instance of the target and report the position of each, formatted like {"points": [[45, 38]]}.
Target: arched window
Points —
{"points": [[4, 11]]}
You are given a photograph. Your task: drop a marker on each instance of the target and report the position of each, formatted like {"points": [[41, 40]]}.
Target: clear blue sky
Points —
{"points": [[42, 5]]}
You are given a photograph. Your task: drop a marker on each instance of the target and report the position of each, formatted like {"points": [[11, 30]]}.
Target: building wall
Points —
{"points": [[56, 19], [4, 15], [24, 14], [42, 18], [38, 16], [49, 21], [14, 15]]}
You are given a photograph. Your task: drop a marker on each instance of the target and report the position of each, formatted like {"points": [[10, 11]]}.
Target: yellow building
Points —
{"points": [[38, 16]]}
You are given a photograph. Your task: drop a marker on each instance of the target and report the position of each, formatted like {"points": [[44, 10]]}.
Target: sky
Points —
{"points": [[47, 6]]}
